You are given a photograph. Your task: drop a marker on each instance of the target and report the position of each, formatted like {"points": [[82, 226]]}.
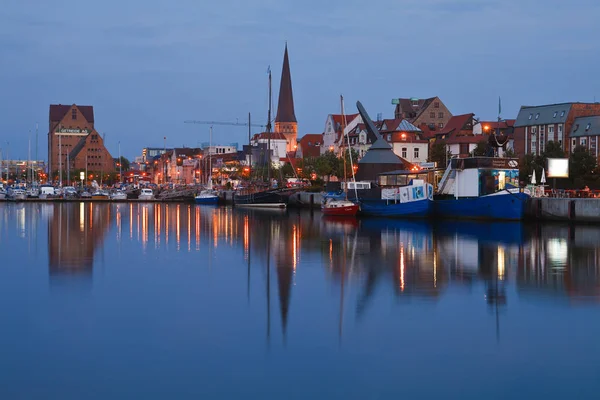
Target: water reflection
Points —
{"points": [[413, 260]]}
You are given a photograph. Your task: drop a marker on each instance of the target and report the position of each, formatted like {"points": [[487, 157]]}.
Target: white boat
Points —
{"points": [[146, 194], [2, 193], [118, 195], [17, 195], [100, 195]]}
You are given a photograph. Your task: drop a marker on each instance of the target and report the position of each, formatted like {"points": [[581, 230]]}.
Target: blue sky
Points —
{"points": [[146, 66]]}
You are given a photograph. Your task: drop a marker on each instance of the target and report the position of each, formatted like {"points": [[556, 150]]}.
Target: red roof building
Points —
{"points": [[310, 145]]}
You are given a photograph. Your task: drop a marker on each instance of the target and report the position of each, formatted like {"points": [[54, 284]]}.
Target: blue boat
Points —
{"points": [[481, 188], [207, 197], [411, 201]]}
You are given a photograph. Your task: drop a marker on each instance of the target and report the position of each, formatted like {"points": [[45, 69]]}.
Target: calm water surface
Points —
{"points": [[175, 301]]}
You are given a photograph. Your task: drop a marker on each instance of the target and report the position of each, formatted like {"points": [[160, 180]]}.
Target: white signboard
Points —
{"points": [[558, 168]]}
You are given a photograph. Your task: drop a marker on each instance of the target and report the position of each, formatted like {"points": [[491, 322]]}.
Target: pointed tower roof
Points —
{"points": [[285, 106]]}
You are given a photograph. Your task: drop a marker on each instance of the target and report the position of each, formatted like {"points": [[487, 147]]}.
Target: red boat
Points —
{"points": [[342, 208]]}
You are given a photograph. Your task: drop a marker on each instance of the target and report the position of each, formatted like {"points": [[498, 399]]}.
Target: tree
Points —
{"points": [[581, 163], [124, 163], [287, 170], [481, 149], [348, 165], [438, 153]]}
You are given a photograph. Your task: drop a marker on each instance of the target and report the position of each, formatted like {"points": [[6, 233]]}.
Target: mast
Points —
{"points": [[36, 149], [249, 139], [120, 165], [210, 158], [60, 160], [343, 155], [269, 134], [349, 151], [29, 158]]}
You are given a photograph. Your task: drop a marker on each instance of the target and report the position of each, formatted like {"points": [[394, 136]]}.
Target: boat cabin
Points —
{"points": [[403, 178], [479, 176]]}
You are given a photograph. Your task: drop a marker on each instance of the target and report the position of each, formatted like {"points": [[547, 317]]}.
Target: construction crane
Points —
{"points": [[249, 124]]}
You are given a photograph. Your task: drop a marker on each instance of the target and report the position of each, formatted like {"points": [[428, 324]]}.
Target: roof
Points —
{"points": [[58, 112], [543, 115], [456, 123], [337, 118], [78, 147], [265, 136], [285, 105], [380, 153], [467, 139], [310, 144], [503, 124], [414, 105], [586, 126]]}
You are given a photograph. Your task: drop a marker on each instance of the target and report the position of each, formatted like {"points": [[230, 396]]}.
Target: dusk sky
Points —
{"points": [[146, 66]]}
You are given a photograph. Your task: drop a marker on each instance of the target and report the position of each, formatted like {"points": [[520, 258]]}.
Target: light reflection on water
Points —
{"points": [[343, 289]]}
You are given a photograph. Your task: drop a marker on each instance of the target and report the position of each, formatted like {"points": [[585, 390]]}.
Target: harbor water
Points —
{"points": [[180, 301]]}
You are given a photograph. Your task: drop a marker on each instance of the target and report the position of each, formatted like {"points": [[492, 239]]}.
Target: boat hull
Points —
{"points": [[388, 208], [264, 199], [344, 211], [206, 200], [498, 206]]}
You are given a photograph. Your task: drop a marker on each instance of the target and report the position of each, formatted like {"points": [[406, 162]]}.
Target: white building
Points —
{"points": [[332, 133], [278, 145]]}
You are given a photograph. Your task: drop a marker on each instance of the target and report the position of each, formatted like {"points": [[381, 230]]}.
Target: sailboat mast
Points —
{"points": [[269, 134], [344, 155], [349, 151], [210, 158]]}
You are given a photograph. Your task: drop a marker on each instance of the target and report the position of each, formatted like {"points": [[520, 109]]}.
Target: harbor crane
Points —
{"points": [[249, 124]]}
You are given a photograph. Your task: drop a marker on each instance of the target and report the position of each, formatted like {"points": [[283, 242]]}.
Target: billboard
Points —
{"points": [[558, 168]]}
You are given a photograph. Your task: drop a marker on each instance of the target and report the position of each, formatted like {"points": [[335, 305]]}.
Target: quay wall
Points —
{"points": [[576, 210], [299, 199]]}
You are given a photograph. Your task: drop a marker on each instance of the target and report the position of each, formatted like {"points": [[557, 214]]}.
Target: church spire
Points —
{"points": [[285, 106]]}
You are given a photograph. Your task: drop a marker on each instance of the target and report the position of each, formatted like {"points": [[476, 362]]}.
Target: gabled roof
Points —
{"points": [[380, 153], [338, 119], [414, 105], [58, 112], [504, 124], [285, 105], [456, 123], [586, 126], [78, 147], [543, 115], [265, 136], [310, 144]]}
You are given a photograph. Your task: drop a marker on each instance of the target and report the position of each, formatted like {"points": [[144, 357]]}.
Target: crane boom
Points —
{"points": [[222, 123]]}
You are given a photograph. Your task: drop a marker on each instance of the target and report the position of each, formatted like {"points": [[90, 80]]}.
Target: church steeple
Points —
{"points": [[285, 121]]}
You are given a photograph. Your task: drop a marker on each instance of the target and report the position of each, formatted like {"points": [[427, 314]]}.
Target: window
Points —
{"points": [[440, 125], [436, 104], [589, 125], [404, 152], [533, 147], [463, 148], [74, 113], [432, 114], [576, 127], [534, 129], [554, 115], [530, 116], [562, 113], [542, 128], [537, 115], [560, 128], [583, 141], [389, 137], [440, 115], [416, 153], [573, 144], [542, 142], [550, 129]]}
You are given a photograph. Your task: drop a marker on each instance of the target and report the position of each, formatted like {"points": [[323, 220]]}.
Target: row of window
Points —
{"points": [[543, 127], [537, 115], [404, 152], [432, 114]]}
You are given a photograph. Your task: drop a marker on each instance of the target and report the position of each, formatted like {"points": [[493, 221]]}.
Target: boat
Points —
{"points": [[146, 194], [2, 193], [481, 188], [411, 201], [261, 196], [100, 194], [208, 195], [17, 195], [341, 207], [118, 195]]}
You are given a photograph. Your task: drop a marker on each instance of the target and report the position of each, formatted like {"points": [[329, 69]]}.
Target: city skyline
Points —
{"points": [[147, 70]]}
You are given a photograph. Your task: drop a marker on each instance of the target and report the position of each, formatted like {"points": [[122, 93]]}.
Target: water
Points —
{"points": [[177, 301]]}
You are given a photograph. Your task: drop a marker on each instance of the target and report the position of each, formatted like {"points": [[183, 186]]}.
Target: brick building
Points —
{"points": [[537, 125], [586, 132], [74, 143], [431, 112]]}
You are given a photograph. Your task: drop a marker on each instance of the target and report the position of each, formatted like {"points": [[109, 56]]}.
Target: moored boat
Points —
{"points": [[270, 198], [2, 193], [118, 195], [146, 194], [411, 201], [100, 195], [341, 208], [207, 197], [481, 188], [17, 195]]}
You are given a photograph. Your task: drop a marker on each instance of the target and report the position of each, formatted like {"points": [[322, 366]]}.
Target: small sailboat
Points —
{"points": [[208, 195], [341, 207], [118, 195]]}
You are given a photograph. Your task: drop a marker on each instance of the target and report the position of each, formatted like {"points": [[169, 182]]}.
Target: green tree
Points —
{"points": [[481, 149], [581, 163], [287, 170], [124, 163], [438, 153], [348, 165]]}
